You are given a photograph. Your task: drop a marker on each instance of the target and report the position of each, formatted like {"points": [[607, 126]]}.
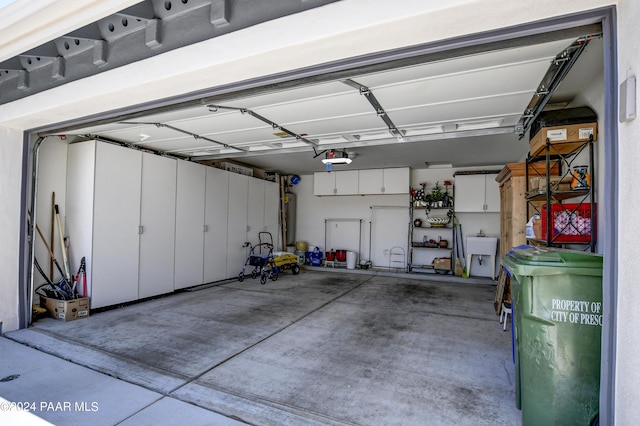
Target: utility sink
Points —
{"points": [[482, 246]]}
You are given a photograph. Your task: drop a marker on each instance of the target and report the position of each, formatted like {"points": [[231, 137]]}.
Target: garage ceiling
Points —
{"points": [[465, 109]]}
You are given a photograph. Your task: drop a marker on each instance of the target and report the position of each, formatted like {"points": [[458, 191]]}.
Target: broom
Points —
{"points": [[458, 269]]}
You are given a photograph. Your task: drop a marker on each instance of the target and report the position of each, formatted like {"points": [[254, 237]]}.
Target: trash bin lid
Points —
{"points": [[552, 261]]}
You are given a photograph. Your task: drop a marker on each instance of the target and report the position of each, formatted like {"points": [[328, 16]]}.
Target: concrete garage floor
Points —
{"points": [[322, 347]]}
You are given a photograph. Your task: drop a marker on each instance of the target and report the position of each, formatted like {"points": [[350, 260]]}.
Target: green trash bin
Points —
{"points": [[557, 320]]}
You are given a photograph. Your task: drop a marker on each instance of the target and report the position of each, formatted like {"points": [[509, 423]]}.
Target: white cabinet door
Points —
{"points": [[347, 182], [157, 225], [396, 180], [469, 194], [492, 194], [272, 211], [370, 181], [237, 224], [336, 183], [255, 212], [324, 183], [115, 225], [215, 237], [383, 181], [477, 193], [190, 197]]}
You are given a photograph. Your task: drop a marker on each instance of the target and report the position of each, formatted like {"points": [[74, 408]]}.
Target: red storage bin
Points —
{"points": [[570, 223]]}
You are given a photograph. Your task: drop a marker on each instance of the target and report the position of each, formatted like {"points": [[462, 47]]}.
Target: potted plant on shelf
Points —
{"points": [[437, 196], [448, 199]]}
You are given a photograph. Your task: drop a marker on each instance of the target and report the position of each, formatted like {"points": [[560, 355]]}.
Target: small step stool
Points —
{"points": [[504, 313]]}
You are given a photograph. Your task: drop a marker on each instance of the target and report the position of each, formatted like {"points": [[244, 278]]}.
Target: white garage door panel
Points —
{"points": [[463, 86]]}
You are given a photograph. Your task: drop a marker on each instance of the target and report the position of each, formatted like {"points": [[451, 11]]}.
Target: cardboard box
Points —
{"points": [[563, 139], [557, 183], [68, 310], [443, 263], [234, 168]]}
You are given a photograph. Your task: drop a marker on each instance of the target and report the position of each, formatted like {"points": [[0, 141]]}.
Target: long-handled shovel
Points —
{"points": [[63, 246]]}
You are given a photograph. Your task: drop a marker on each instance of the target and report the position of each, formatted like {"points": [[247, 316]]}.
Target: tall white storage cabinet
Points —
{"points": [[215, 236], [157, 225], [271, 210], [255, 212], [263, 205], [103, 216], [237, 223], [190, 225]]}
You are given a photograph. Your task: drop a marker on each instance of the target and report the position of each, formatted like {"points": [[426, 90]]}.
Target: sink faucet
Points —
{"points": [[480, 234]]}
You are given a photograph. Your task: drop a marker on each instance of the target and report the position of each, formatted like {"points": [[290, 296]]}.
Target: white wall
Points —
{"points": [[11, 145], [593, 96], [52, 177], [472, 223], [312, 212]]}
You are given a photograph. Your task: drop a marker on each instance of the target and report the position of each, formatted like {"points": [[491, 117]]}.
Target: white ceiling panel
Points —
{"points": [[257, 136], [180, 144], [220, 123], [340, 125], [543, 52], [305, 110], [516, 78], [470, 109], [138, 133], [318, 90]]}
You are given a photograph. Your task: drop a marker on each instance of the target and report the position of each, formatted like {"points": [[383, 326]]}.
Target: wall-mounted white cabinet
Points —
{"points": [[478, 193], [384, 181], [336, 183]]}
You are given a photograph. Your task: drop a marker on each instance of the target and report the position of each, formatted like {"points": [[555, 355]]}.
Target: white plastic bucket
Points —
{"points": [[351, 260]]}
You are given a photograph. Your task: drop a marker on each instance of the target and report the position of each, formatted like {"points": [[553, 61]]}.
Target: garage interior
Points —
{"points": [[328, 346]]}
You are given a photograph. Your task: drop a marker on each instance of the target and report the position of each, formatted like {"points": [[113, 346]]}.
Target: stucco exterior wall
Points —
{"points": [[627, 378], [11, 149]]}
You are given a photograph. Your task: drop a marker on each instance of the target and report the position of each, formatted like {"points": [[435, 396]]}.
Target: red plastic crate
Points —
{"points": [[570, 223]]}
